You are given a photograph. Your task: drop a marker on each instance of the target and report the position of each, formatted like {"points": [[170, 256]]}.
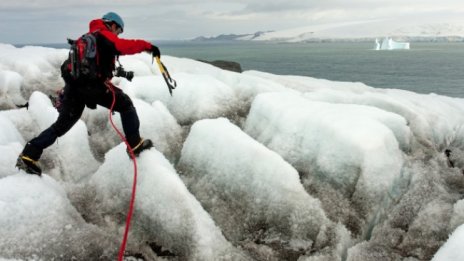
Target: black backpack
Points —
{"points": [[83, 57]]}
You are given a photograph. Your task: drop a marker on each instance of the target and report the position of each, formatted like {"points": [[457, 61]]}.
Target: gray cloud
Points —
{"points": [[36, 21]]}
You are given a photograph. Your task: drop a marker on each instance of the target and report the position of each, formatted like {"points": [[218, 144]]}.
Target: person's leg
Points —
{"points": [[69, 114], [129, 118], [125, 107]]}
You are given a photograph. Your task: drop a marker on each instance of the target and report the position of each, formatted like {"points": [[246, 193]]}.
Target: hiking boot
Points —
{"points": [[29, 165], [144, 144]]}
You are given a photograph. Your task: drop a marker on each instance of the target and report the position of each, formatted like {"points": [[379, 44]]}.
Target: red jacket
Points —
{"points": [[123, 46], [109, 45]]}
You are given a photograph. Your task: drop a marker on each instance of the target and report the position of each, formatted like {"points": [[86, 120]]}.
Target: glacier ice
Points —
{"points": [[250, 166], [251, 189]]}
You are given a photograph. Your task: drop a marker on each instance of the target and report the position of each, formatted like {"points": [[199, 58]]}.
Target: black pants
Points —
{"points": [[77, 95]]}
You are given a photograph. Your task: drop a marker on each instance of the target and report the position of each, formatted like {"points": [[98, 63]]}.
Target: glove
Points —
{"points": [[155, 51]]}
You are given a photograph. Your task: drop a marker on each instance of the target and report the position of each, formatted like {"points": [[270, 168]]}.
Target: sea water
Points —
{"points": [[425, 68], [428, 67]]}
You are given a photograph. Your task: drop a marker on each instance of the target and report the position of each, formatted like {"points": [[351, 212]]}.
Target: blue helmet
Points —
{"points": [[114, 17]]}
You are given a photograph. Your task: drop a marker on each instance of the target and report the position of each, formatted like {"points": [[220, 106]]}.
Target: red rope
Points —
{"points": [[122, 248]]}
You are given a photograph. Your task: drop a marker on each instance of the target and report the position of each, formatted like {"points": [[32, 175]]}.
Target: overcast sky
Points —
{"points": [[52, 21]]}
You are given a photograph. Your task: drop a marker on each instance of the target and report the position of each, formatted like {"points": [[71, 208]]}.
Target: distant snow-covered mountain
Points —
{"points": [[411, 30], [230, 37]]}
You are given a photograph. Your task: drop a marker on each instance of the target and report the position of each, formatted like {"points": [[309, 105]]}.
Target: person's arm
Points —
{"points": [[127, 46]]}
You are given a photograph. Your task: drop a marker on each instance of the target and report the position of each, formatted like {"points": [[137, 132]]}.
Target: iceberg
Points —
{"points": [[389, 44]]}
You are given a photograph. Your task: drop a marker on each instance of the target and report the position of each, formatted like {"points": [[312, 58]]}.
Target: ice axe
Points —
{"points": [[167, 78]]}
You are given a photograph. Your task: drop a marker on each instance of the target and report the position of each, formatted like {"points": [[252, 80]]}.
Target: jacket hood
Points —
{"points": [[97, 24]]}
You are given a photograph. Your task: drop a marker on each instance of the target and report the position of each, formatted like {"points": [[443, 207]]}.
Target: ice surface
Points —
{"points": [[38, 221], [72, 150], [10, 89], [452, 249], [434, 120], [245, 166], [165, 212], [361, 161], [249, 188], [38, 66]]}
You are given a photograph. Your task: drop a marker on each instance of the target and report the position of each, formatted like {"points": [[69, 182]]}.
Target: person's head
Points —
{"points": [[114, 22]]}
